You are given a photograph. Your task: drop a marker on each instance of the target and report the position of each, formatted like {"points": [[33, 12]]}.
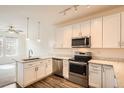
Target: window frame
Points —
{"points": [[16, 46]]}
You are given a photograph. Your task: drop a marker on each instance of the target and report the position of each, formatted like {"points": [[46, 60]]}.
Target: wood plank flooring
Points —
{"points": [[49, 82], [54, 82]]}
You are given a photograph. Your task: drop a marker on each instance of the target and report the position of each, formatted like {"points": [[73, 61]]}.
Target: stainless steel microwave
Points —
{"points": [[81, 42]]}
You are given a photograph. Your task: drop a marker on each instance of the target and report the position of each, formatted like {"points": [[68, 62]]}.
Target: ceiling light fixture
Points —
{"points": [[64, 12], [27, 34], [38, 38]]}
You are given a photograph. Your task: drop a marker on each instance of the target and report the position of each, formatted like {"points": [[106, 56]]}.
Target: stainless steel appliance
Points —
{"points": [[78, 68], [58, 66], [84, 42]]}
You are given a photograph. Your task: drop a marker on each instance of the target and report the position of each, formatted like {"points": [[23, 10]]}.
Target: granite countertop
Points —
{"points": [[43, 58], [118, 67]]}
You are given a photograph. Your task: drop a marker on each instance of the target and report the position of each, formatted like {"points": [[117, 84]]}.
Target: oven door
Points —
{"points": [[78, 68], [78, 73]]}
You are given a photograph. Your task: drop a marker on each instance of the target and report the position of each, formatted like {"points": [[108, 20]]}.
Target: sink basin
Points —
{"points": [[28, 59]]}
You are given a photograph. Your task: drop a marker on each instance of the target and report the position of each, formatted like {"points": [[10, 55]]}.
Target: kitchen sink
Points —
{"points": [[29, 59]]}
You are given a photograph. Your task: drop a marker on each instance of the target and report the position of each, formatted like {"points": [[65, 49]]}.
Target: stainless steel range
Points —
{"points": [[78, 68]]}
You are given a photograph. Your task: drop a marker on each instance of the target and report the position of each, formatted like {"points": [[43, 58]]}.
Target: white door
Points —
{"points": [[85, 28], [65, 69], [41, 70], [108, 77], [96, 33], [111, 31], [49, 66], [59, 38], [29, 75], [76, 30], [122, 30], [95, 76], [67, 37]]}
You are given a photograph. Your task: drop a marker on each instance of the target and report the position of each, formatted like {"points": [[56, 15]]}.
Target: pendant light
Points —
{"points": [[27, 33], [38, 35]]}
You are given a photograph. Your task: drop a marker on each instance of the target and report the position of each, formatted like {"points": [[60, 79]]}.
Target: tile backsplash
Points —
{"points": [[99, 53]]}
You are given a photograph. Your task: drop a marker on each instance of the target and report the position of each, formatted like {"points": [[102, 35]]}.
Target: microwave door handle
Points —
{"points": [[85, 41]]}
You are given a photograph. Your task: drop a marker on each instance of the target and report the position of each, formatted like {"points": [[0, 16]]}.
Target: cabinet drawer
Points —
{"points": [[93, 67], [32, 64]]}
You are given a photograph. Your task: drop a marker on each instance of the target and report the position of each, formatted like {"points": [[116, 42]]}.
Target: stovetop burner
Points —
{"points": [[78, 58]]}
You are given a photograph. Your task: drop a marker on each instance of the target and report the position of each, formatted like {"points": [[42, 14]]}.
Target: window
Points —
{"points": [[11, 46], [1, 46]]}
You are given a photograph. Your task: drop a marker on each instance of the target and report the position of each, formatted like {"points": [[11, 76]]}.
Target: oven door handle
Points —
{"points": [[78, 63]]}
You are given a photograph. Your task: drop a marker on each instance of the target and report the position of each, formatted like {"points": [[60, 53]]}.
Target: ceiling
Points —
{"points": [[49, 14]]}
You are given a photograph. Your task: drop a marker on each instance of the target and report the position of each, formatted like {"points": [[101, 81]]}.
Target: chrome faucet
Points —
{"points": [[29, 53]]}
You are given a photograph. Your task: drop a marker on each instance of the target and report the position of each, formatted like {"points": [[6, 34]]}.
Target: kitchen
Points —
{"points": [[80, 45]]}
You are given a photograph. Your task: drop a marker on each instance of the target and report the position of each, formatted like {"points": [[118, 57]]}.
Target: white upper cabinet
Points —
{"points": [[67, 36], [59, 38], [111, 31], [85, 28], [96, 33], [122, 30], [76, 30]]}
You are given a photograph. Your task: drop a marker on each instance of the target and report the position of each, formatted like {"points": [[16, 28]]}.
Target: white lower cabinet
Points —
{"points": [[101, 76], [30, 72], [49, 66], [108, 77], [41, 70], [29, 75], [66, 69], [95, 75]]}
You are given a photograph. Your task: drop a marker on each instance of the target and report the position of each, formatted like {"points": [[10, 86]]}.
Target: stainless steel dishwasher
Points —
{"points": [[58, 66]]}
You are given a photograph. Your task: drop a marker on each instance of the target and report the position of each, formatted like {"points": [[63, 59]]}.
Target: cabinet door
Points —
{"points": [[95, 75], [65, 69], [67, 37], [49, 66], [29, 75], [111, 31], [41, 70], [85, 28], [59, 38], [96, 33], [122, 30], [76, 30], [108, 77]]}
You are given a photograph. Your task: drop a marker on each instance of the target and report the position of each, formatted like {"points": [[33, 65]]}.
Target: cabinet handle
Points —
{"points": [[103, 70], [37, 68], [46, 65]]}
